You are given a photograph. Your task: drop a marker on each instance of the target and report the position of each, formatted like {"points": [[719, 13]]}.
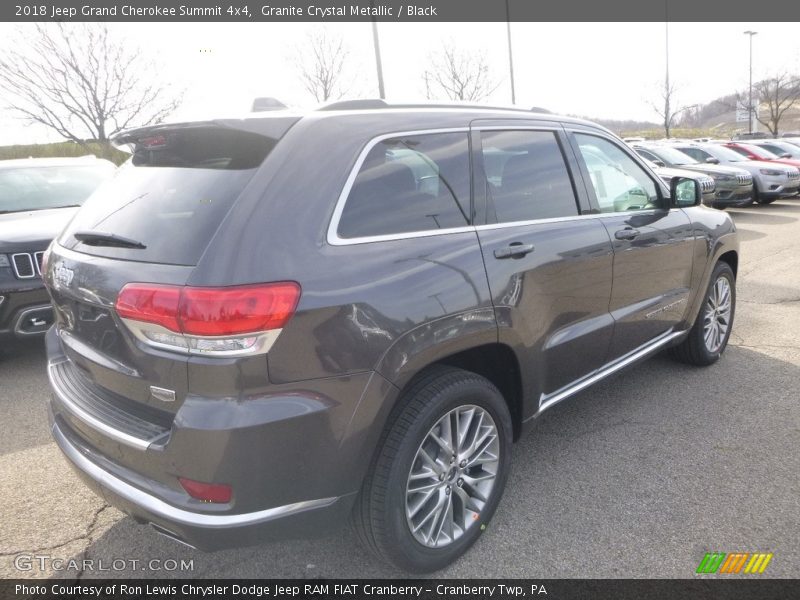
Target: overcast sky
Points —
{"points": [[601, 70]]}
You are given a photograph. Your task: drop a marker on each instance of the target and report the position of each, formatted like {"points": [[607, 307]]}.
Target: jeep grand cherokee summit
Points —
{"points": [[267, 325], [38, 196]]}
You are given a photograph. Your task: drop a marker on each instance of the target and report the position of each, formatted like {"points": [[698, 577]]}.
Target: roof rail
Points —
{"points": [[377, 103], [355, 104]]}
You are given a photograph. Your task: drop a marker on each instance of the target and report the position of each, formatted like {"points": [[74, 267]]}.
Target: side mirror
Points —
{"points": [[684, 192], [712, 161], [659, 163], [786, 155]]}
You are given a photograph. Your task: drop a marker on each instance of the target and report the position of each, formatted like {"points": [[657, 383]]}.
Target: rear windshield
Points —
{"points": [[43, 187], [172, 195]]}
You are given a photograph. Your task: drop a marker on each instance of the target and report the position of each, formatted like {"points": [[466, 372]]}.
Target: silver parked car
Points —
{"points": [[734, 187], [707, 186], [771, 180], [784, 149]]}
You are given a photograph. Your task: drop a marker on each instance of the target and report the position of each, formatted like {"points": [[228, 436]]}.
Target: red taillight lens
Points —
{"points": [[232, 311], [150, 303], [210, 311], [207, 492]]}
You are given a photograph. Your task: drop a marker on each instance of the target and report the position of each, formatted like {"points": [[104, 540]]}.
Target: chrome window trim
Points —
{"points": [[30, 260], [333, 237], [584, 217]]}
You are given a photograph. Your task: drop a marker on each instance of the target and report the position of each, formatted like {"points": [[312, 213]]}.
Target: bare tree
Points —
{"points": [[80, 82], [322, 62], [458, 75], [668, 108], [777, 94]]}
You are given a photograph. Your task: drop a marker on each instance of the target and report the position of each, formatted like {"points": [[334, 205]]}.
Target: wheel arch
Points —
{"points": [[732, 258]]}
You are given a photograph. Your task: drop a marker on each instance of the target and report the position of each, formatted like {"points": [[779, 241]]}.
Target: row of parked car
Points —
{"points": [[730, 173]]}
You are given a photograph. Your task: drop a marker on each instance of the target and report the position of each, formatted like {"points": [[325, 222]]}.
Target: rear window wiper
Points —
{"points": [[99, 238]]}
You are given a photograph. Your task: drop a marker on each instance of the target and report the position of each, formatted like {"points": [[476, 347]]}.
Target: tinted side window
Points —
{"points": [[774, 149], [741, 151], [696, 153], [619, 183], [527, 176], [648, 155], [409, 184]]}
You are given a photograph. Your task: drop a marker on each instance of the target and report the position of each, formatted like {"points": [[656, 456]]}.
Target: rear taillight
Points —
{"points": [[218, 321]]}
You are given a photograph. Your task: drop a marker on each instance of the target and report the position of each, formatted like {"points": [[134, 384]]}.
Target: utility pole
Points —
{"points": [[510, 55], [750, 102], [377, 45], [667, 90]]}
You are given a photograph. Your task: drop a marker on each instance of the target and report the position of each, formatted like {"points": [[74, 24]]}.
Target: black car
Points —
{"points": [[38, 196], [268, 326]]}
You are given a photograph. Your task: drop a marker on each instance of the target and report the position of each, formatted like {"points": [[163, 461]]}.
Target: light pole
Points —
{"points": [[377, 46], [510, 55], [750, 101]]}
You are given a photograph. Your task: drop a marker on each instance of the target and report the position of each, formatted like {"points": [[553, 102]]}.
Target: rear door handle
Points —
{"points": [[514, 250], [628, 233]]}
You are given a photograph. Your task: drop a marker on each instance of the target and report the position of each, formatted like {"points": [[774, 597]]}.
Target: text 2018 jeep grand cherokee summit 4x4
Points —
{"points": [[273, 323]]}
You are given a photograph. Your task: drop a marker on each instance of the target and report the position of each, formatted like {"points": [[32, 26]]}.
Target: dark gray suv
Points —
{"points": [[270, 325]]}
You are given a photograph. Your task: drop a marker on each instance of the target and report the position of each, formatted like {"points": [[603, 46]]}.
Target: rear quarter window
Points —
{"points": [[409, 183]]}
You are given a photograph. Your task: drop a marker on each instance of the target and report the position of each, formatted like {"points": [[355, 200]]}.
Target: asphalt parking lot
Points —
{"points": [[636, 477]]}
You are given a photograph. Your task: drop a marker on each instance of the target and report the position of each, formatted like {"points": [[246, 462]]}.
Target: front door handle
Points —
{"points": [[628, 233], [514, 250]]}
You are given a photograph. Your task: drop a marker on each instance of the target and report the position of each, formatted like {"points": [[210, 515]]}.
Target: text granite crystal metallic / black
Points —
{"points": [[270, 325]]}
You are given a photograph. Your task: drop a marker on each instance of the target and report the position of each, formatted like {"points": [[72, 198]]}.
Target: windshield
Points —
{"points": [[39, 188], [672, 156], [779, 148], [723, 153], [759, 151]]}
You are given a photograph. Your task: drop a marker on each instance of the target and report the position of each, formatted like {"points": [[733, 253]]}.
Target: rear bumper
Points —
{"points": [[294, 454], [198, 529]]}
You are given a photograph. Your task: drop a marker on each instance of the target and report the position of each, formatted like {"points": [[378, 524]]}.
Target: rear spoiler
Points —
{"points": [[274, 127]]}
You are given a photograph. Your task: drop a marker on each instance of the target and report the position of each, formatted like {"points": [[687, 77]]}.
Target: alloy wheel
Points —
{"points": [[452, 476], [717, 317]]}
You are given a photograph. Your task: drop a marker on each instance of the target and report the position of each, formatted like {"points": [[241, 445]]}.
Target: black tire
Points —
{"points": [[379, 515], [756, 194], [694, 350]]}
